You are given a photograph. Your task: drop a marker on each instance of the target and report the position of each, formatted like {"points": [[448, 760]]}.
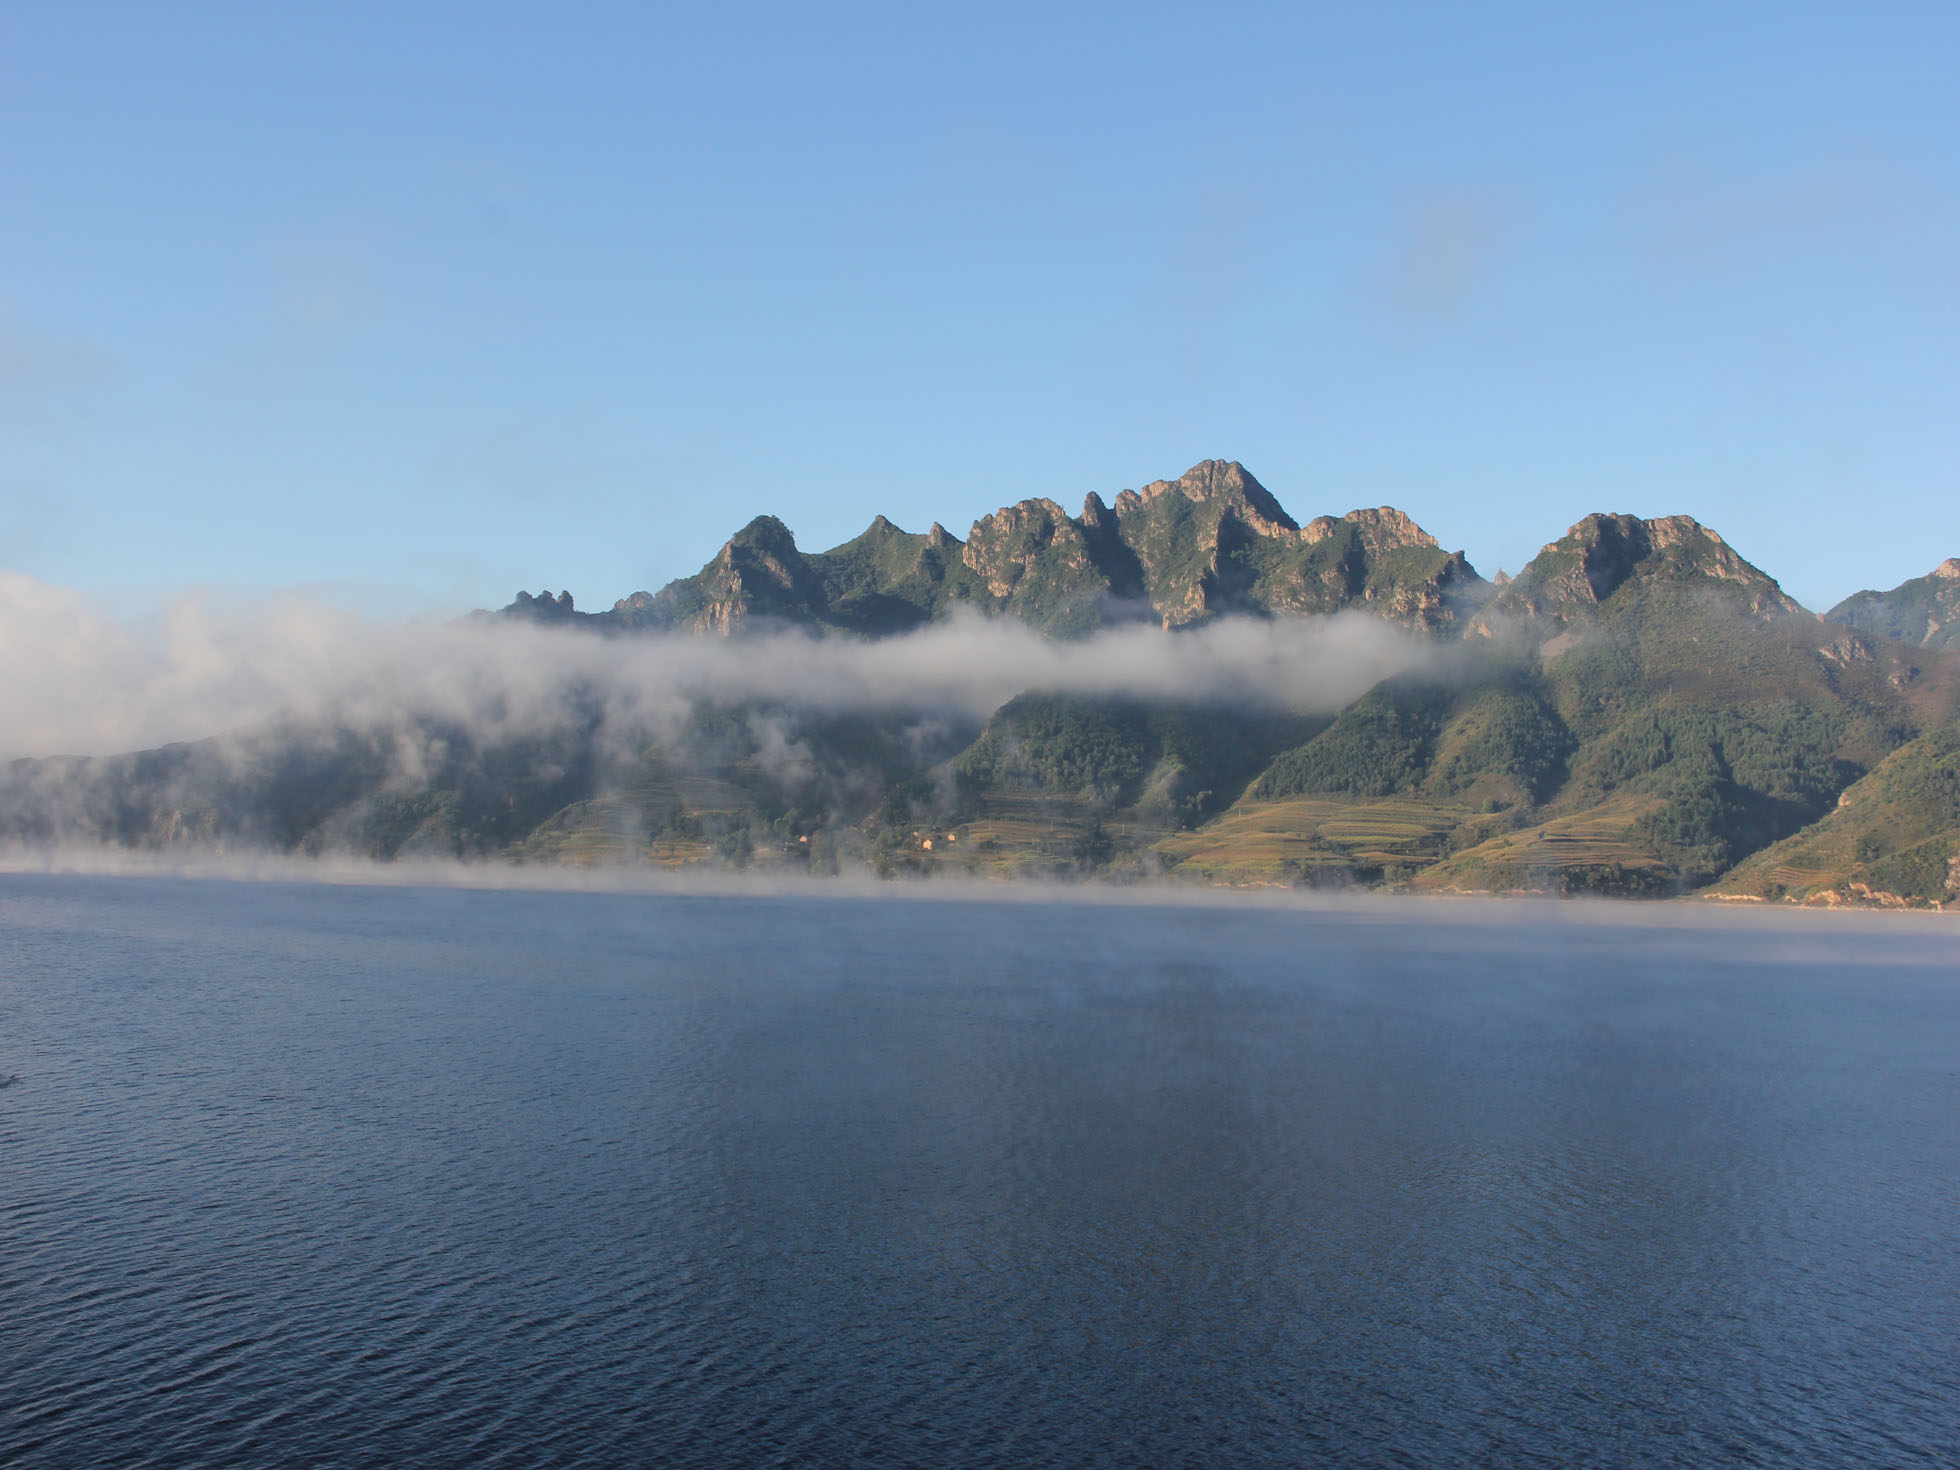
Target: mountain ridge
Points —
{"points": [[1924, 610], [1639, 711], [1212, 542]]}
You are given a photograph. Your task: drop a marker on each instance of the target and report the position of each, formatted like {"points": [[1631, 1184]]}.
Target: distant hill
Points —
{"points": [[1641, 711], [1925, 610]]}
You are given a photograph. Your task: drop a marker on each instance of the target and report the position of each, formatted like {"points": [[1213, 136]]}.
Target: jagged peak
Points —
{"points": [[880, 530], [1384, 527], [1948, 568], [1094, 511], [1601, 524], [1676, 530], [1040, 521], [1022, 513], [1612, 546], [1213, 479], [939, 538], [1657, 531], [764, 533]]}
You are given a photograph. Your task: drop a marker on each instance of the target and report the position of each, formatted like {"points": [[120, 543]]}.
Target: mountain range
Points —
{"points": [[1213, 542], [1639, 711]]}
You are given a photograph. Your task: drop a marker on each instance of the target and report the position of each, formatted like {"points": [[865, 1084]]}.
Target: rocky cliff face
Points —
{"points": [[1925, 610], [1194, 540], [1376, 559], [1033, 562]]}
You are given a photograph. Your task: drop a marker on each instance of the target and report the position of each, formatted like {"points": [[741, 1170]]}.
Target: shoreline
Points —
{"points": [[491, 875]]}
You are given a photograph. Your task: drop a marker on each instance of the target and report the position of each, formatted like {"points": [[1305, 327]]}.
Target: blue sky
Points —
{"points": [[419, 304]]}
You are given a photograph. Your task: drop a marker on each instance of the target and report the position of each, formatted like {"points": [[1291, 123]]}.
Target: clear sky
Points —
{"points": [[421, 303]]}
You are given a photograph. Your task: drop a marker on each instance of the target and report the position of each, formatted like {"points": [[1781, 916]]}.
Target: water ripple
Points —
{"points": [[346, 1177]]}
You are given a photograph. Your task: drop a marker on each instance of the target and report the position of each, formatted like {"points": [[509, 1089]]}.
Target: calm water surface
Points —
{"points": [[385, 1176]]}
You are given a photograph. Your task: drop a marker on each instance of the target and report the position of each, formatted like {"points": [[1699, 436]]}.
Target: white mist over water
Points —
{"points": [[82, 683]]}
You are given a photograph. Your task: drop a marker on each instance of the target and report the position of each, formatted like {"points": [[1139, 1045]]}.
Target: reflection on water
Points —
{"points": [[369, 1175]]}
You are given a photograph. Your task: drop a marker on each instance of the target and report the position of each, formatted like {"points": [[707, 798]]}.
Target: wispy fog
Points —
{"points": [[78, 682], [1781, 935]]}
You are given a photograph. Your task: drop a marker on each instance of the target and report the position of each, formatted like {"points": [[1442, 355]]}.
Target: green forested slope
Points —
{"points": [[1892, 836]]}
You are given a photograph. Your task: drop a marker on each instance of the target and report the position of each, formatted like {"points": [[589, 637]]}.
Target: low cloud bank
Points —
{"points": [[81, 683]]}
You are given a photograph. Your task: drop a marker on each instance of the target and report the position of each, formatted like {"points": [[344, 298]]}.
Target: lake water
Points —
{"points": [[304, 1174]]}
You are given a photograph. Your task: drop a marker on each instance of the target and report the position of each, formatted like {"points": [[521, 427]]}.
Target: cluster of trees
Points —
{"points": [[1503, 741], [1731, 779], [1180, 763]]}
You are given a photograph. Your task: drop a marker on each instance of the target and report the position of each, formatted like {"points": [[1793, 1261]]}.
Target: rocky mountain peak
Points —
{"points": [[1948, 568], [1217, 480], [1613, 546], [1005, 546], [1665, 531], [1212, 477], [1387, 529], [764, 534], [1605, 551]]}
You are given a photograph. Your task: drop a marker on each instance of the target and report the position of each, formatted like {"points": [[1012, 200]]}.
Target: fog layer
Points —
{"points": [[79, 682]]}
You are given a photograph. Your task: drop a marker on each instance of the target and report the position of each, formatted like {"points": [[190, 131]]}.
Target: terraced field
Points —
{"points": [[1547, 855], [1001, 843], [1026, 833], [1317, 836], [623, 825], [586, 834], [1801, 880]]}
